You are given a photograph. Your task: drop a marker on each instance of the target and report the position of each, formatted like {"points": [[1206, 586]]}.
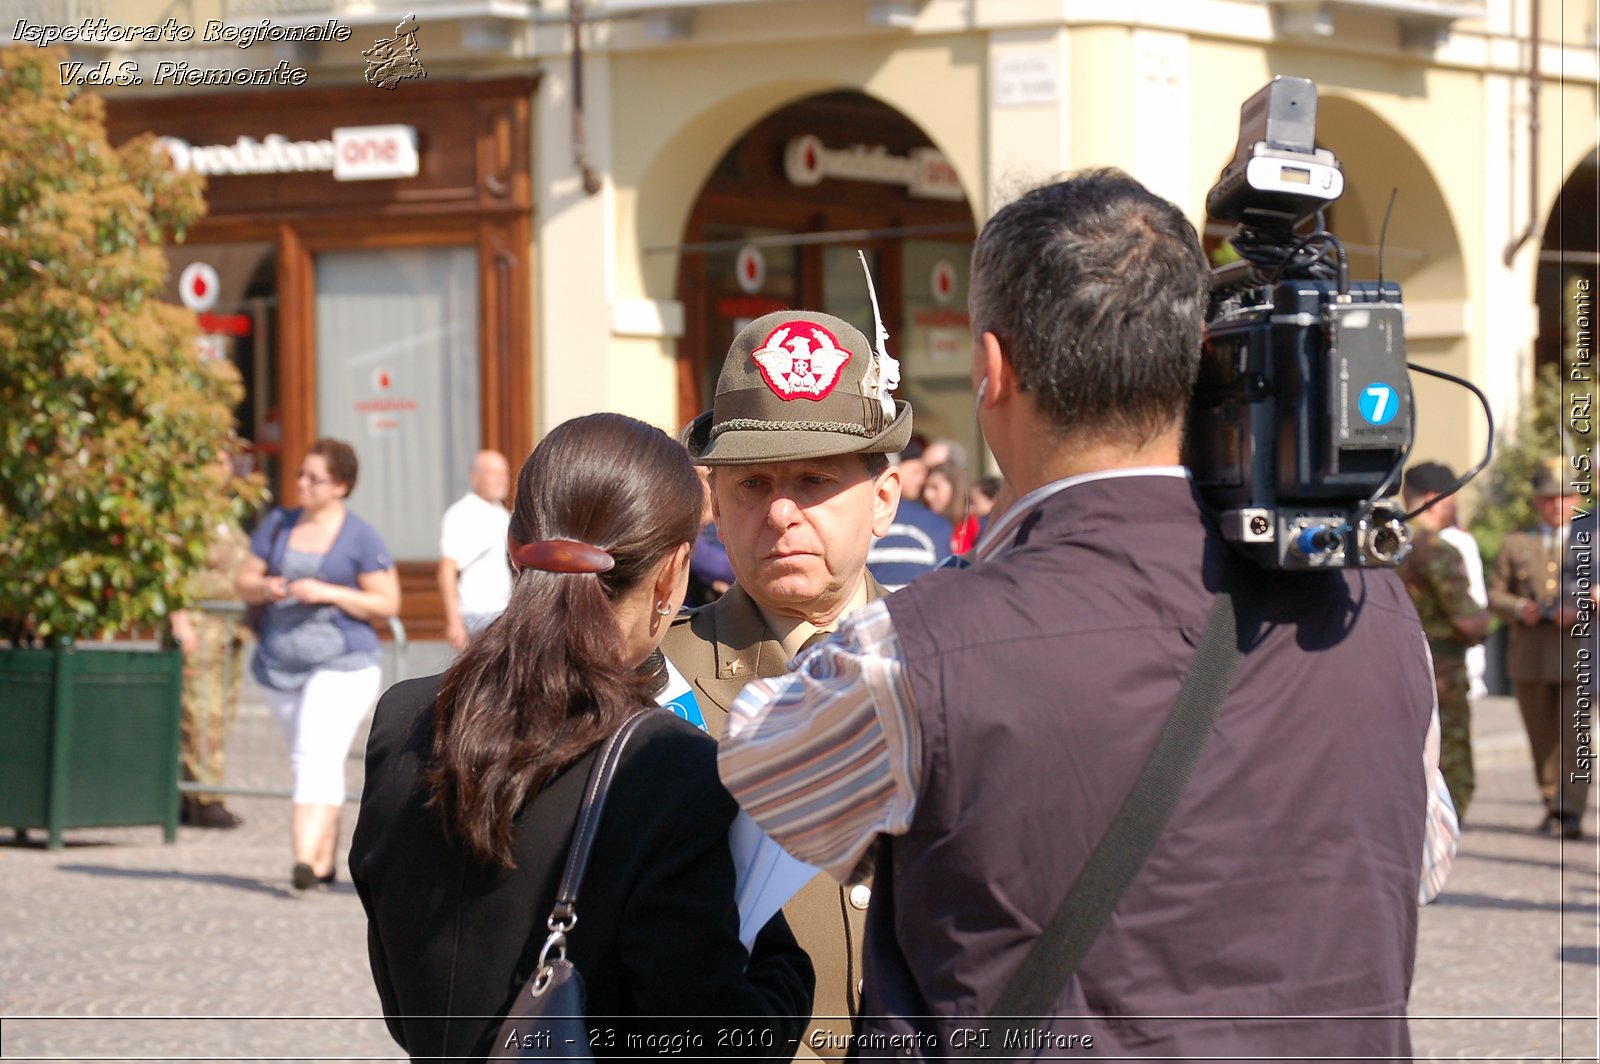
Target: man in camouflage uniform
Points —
{"points": [[1436, 578], [212, 643]]}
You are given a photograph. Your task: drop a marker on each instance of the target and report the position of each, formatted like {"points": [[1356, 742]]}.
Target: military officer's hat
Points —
{"points": [[800, 384], [1550, 477]]}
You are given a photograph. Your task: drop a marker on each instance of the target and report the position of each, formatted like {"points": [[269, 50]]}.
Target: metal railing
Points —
{"points": [[255, 761]]}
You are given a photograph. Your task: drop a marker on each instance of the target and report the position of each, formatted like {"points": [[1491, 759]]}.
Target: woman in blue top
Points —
{"points": [[324, 577]]}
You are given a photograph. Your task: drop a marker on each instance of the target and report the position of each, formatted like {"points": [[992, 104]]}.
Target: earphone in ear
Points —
{"points": [[983, 390]]}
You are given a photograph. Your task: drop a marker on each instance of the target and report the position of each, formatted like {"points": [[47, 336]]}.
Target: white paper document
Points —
{"points": [[765, 876]]}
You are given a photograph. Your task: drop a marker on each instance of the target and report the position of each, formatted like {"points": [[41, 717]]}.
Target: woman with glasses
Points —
{"points": [[322, 577]]}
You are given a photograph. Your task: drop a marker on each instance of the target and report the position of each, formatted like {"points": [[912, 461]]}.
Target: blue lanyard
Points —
{"points": [[678, 697]]}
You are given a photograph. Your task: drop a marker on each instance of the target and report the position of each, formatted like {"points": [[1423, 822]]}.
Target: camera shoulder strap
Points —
{"points": [[1061, 947]]}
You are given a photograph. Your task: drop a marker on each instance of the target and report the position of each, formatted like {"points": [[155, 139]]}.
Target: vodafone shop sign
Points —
{"points": [[355, 153], [373, 153]]}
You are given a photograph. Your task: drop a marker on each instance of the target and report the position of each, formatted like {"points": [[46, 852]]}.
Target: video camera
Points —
{"points": [[1303, 416]]}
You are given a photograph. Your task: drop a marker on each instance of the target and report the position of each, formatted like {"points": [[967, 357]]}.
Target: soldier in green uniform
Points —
{"points": [[1525, 592], [1436, 578], [212, 643]]}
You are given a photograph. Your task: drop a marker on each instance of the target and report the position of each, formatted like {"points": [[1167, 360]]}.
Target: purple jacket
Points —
{"points": [[1281, 898]]}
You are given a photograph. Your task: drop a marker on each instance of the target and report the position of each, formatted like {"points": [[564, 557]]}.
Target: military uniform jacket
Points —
{"points": [[719, 648], [1436, 579], [1528, 568], [228, 550]]}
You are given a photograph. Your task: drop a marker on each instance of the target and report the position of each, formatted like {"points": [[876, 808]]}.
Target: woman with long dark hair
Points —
{"points": [[945, 493], [474, 777]]}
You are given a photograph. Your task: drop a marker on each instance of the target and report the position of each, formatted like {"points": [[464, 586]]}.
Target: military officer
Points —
{"points": [[1435, 576], [797, 440], [1525, 592]]}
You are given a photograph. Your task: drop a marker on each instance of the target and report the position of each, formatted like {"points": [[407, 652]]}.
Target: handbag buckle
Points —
{"points": [[546, 971]]}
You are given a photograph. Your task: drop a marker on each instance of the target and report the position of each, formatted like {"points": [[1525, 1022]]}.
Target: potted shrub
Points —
{"points": [[109, 418]]}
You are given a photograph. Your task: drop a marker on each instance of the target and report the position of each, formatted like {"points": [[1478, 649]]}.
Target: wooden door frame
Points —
{"points": [[505, 348]]}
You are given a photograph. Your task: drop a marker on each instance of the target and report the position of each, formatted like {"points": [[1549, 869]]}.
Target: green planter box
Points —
{"points": [[89, 738]]}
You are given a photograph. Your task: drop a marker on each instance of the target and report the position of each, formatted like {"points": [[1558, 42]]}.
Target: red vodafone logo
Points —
{"points": [[803, 162], [198, 287], [382, 380], [750, 269], [943, 282]]}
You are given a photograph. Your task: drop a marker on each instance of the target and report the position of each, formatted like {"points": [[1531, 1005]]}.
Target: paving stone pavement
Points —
{"points": [[118, 947], [1508, 958]]}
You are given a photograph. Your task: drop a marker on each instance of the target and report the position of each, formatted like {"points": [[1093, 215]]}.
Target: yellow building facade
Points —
{"points": [[609, 188]]}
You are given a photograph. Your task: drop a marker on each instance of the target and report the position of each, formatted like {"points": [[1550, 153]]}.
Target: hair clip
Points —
{"points": [[562, 556]]}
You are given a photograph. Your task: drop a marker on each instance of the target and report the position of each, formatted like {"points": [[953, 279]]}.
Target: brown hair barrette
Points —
{"points": [[562, 556]]}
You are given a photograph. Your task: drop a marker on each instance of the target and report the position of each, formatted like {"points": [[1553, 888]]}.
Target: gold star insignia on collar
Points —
{"points": [[733, 667]]}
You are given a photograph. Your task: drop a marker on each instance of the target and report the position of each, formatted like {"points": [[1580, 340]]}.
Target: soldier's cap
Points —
{"points": [[1428, 478], [797, 384], [1550, 477]]}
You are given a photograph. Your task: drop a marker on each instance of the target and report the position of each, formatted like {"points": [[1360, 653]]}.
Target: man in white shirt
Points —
{"points": [[474, 576]]}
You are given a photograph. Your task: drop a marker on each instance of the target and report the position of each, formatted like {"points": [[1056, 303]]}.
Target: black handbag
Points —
{"points": [[548, 1018]]}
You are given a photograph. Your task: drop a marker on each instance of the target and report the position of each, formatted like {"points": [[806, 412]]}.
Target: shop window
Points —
{"points": [[844, 288], [937, 340], [809, 184], [744, 279], [233, 291], [397, 378]]}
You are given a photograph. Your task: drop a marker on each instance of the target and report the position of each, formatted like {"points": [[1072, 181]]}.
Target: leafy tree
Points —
{"points": [[110, 415], [1547, 428]]}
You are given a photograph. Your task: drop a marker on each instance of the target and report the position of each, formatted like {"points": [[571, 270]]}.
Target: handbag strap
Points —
{"points": [[564, 915], [1061, 947], [278, 545]]}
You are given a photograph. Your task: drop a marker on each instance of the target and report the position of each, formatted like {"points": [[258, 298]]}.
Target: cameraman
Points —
{"points": [[983, 725]]}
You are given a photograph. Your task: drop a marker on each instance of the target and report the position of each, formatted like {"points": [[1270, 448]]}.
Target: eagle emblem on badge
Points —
{"points": [[800, 360]]}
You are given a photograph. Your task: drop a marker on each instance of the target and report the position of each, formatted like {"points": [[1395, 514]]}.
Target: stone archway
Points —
{"points": [[779, 220], [1569, 262]]}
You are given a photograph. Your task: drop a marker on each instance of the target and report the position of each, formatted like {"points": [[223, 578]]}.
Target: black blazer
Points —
{"points": [[452, 940]]}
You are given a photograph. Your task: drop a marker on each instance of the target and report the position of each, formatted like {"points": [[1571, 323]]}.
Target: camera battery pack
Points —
{"points": [[1367, 383]]}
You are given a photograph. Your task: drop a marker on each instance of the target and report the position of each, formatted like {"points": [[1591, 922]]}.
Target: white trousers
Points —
{"points": [[318, 721]]}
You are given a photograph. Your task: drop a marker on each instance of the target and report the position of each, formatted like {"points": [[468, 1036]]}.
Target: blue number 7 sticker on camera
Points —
{"points": [[1379, 403]]}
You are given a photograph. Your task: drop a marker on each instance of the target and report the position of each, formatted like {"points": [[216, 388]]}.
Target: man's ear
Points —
{"points": [[885, 500], [994, 368]]}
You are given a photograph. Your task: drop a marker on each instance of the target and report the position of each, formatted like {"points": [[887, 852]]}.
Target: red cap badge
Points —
{"points": [[800, 360]]}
